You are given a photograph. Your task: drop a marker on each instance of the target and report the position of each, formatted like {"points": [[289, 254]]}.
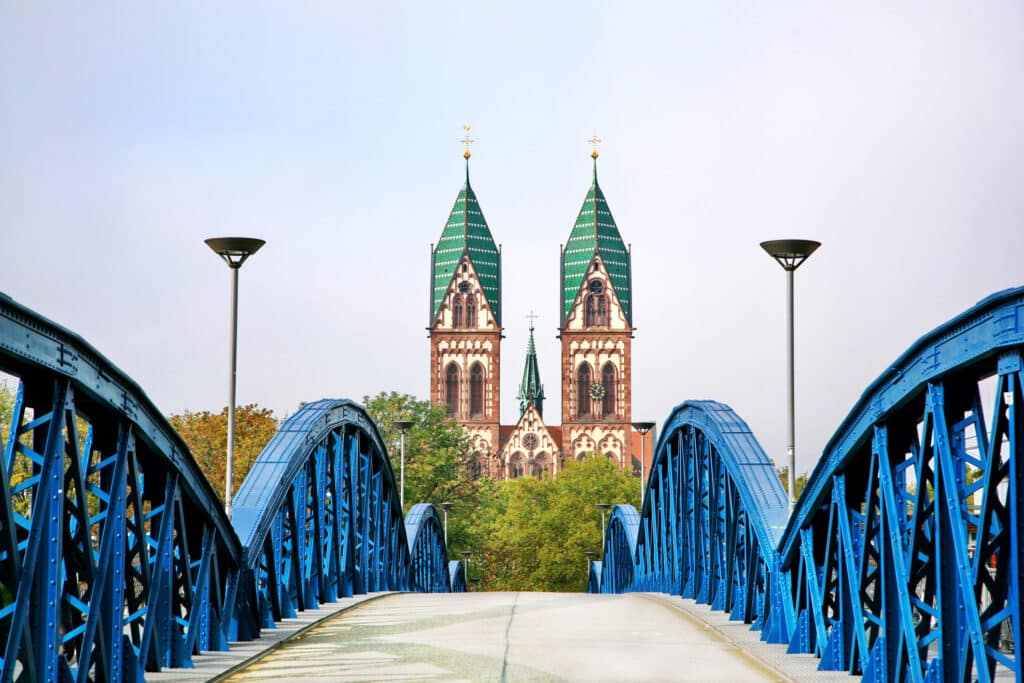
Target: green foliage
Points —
{"points": [[542, 528], [800, 483], [440, 463], [206, 435]]}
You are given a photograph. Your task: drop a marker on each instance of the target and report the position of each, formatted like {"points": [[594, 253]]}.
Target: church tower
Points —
{"points": [[596, 334], [465, 321]]}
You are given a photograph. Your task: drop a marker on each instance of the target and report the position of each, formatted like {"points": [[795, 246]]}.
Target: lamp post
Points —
{"points": [[790, 254], [591, 555], [446, 507], [234, 251], [643, 428], [403, 426], [603, 507], [465, 562]]}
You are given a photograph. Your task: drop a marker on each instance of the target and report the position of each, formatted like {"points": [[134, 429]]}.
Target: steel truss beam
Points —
{"points": [[318, 516], [116, 557], [114, 550], [714, 510], [902, 560]]}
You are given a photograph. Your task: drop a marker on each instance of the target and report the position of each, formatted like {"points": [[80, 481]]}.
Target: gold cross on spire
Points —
{"points": [[467, 140], [531, 316], [595, 141]]}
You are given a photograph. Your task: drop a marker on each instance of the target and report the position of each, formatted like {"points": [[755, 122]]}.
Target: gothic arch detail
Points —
{"points": [[476, 390], [583, 382], [451, 388]]}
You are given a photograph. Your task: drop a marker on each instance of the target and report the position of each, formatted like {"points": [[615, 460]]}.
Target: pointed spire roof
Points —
{"points": [[466, 232], [595, 233], [530, 389]]}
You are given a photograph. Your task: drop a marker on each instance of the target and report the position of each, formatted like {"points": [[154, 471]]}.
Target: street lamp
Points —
{"points": [[446, 507], [643, 428], [465, 563], [403, 426], [790, 254], [603, 507], [591, 555], [234, 251]]}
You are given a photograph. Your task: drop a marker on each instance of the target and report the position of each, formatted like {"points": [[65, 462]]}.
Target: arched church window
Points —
{"points": [[457, 311], [515, 466], [583, 382], [608, 381], [470, 310], [451, 388], [596, 305], [540, 465], [476, 390]]}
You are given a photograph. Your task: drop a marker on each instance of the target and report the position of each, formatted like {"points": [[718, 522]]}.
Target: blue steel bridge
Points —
{"points": [[901, 560]]}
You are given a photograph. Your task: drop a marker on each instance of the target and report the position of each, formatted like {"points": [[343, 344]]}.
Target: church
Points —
{"points": [[595, 332]]}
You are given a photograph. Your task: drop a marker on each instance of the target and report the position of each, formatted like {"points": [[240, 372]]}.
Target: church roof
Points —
{"points": [[466, 232], [530, 389], [595, 233]]}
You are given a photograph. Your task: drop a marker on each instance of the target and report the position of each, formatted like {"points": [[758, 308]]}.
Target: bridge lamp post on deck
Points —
{"points": [[643, 428], [790, 254], [234, 251], [465, 565], [403, 426], [603, 507], [591, 556], [446, 507]]}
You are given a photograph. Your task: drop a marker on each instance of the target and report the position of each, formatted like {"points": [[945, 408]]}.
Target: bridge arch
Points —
{"points": [[115, 552], [901, 560], [714, 510], [429, 571], [319, 518], [904, 545]]}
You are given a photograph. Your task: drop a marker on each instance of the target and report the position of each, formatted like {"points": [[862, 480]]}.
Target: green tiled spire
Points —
{"points": [[530, 389], [595, 233], [466, 232]]}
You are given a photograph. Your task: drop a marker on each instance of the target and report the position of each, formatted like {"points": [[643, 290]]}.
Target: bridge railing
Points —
{"points": [[319, 518], [116, 556], [115, 553], [901, 560]]}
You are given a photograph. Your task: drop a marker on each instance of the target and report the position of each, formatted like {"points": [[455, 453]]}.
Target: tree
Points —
{"points": [[799, 484], [542, 528], [440, 463], [206, 435]]}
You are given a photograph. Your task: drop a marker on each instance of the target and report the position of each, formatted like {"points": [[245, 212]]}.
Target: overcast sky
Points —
{"points": [[891, 132]]}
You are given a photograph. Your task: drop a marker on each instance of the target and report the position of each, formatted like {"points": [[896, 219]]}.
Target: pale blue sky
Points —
{"points": [[892, 132]]}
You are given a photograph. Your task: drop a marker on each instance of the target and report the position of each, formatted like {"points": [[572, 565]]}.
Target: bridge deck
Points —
{"points": [[513, 637]]}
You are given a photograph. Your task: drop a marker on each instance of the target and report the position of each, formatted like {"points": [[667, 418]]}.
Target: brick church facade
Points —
{"points": [[595, 332]]}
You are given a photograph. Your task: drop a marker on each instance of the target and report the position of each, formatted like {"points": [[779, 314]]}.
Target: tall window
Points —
{"points": [[470, 310], [540, 465], [583, 382], [515, 466], [596, 305], [451, 388], [608, 381], [457, 312], [476, 390]]}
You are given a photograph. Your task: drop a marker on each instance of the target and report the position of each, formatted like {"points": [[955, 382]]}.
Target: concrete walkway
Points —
{"points": [[511, 637]]}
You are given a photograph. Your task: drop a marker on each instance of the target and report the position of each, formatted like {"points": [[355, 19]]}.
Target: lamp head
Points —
{"points": [[235, 250], [643, 427], [790, 253]]}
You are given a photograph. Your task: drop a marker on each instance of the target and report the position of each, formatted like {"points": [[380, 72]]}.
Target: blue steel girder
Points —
{"points": [[714, 510], [618, 555], [428, 571], [904, 546], [457, 576], [319, 518], [103, 574]]}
